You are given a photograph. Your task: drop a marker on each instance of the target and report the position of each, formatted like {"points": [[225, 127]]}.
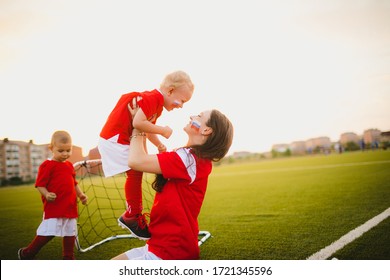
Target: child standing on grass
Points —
{"points": [[56, 182], [175, 90]]}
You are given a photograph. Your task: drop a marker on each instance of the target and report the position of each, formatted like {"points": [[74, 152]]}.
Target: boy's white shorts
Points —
{"points": [[114, 156], [58, 227]]}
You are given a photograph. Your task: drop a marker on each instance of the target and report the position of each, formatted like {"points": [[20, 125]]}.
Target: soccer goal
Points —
{"points": [[97, 222]]}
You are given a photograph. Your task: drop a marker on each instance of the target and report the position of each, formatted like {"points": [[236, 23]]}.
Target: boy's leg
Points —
{"points": [[133, 193], [68, 247], [133, 219], [34, 247]]}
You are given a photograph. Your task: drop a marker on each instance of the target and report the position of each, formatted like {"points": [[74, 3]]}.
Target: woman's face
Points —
{"points": [[197, 124]]}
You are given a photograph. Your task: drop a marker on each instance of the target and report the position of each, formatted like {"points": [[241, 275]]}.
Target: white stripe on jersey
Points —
{"points": [[189, 162]]}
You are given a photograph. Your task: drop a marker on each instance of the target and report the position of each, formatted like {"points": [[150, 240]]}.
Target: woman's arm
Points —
{"points": [[138, 158]]}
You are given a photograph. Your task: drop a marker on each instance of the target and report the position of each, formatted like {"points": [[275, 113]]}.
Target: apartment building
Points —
{"points": [[20, 161], [349, 137], [385, 136], [320, 143], [372, 137], [298, 147]]}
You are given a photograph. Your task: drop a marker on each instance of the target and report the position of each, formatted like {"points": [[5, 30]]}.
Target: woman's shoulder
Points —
{"points": [[188, 156], [185, 151], [188, 151], [182, 153]]}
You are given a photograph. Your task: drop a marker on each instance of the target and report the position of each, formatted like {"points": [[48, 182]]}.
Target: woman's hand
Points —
{"points": [[133, 107]]}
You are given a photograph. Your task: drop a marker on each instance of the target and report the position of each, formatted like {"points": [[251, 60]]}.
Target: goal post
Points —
{"points": [[97, 222]]}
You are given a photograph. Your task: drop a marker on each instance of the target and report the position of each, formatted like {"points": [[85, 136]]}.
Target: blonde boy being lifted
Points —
{"points": [[175, 90]]}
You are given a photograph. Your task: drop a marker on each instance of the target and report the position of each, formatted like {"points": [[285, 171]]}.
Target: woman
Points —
{"points": [[180, 184]]}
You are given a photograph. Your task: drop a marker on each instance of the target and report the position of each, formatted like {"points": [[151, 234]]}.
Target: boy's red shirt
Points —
{"points": [[120, 120], [59, 178]]}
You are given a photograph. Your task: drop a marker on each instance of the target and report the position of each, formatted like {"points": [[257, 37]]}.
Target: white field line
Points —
{"points": [[298, 168], [328, 251]]}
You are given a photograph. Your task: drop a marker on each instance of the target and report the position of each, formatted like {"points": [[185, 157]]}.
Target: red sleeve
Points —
{"points": [[152, 105], [43, 176], [73, 172], [174, 166]]}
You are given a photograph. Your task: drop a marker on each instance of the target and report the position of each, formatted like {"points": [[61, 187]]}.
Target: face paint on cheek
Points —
{"points": [[176, 103], [195, 125]]}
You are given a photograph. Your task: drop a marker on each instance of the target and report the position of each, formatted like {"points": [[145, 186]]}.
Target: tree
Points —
{"points": [[352, 146]]}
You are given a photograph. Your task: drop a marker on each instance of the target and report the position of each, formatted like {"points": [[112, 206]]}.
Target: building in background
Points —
{"points": [[298, 148], [350, 141], [318, 145], [349, 137], [372, 138], [77, 154], [385, 136], [93, 154], [385, 139]]}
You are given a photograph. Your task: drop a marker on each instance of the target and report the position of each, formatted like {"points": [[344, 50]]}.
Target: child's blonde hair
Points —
{"points": [[177, 79], [60, 136]]}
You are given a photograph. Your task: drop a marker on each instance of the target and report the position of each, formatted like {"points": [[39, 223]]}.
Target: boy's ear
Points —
{"points": [[170, 90]]}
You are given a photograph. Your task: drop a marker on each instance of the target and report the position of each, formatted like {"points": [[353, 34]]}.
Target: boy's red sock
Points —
{"points": [[68, 247], [133, 193], [35, 246]]}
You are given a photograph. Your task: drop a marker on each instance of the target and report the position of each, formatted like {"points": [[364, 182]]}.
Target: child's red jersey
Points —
{"points": [[174, 215], [59, 178], [120, 120]]}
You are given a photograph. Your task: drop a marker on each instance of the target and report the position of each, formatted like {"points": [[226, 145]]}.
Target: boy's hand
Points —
{"points": [[83, 198], [167, 132], [50, 196], [161, 148]]}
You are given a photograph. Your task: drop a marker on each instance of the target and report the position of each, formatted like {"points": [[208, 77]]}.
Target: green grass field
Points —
{"points": [[281, 209]]}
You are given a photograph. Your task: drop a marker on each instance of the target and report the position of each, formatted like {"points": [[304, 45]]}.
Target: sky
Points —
{"points": [[282, 71]]}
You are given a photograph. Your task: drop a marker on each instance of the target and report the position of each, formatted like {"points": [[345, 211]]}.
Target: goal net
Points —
{"points": [[98, 220]]}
